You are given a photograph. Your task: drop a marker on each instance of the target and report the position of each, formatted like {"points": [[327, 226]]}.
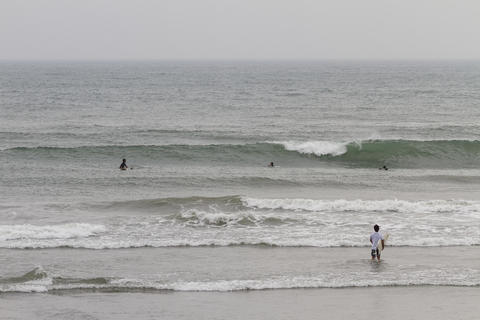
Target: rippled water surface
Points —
{"points": [[198, 138]]}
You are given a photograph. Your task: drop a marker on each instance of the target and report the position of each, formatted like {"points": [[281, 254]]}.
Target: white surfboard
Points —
{"points": [[385, 238]]}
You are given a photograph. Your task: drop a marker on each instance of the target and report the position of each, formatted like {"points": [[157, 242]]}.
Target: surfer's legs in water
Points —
{"points": [[375, 254]]}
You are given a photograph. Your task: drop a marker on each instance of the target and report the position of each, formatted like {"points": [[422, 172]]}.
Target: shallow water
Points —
{"points": [[236, 268]]}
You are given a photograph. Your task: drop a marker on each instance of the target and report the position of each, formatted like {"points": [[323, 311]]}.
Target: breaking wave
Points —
{"points": [[341, 205], [248, 221], [61, 231], [38, 280], [265, 227], [368, 154], [237, 204]]}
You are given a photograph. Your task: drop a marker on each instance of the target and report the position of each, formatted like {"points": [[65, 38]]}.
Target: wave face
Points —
{"points": [[367, 154], [396, 153], [247, 221], [38, 280]]}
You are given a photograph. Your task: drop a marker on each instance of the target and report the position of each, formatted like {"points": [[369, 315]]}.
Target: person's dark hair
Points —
{"points": [[376, 228], [124, 160]]}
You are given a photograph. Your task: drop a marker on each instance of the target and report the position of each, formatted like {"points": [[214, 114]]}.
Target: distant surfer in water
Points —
{"points": [[374, 239], [271, 165], [383, 168], [124, 166]]}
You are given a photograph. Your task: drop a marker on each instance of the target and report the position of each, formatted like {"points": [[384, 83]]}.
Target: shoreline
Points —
{"points": [[426, 302], [234, 269]]}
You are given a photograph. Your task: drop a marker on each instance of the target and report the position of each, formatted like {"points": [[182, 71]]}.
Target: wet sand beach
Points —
{"points": [[399, 303]]}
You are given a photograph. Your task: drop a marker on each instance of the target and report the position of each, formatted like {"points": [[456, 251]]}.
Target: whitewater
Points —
{"points": [[246, 221]]}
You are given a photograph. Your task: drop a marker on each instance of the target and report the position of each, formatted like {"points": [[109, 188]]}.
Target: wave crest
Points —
{"points": [[60, 231], [195, 217], [341, 205], [318, 148], [48, 283]]}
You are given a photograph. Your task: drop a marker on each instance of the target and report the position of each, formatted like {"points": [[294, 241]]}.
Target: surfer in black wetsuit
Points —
{"points": [[383, 168], [271, 165], [124, 166]]}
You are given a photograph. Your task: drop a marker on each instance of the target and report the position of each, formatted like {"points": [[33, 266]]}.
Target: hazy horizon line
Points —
{"points": [[247, 60]]}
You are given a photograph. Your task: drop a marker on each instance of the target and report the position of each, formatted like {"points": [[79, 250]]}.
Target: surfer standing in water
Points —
{"points": [[124, 166], [374, 239]]}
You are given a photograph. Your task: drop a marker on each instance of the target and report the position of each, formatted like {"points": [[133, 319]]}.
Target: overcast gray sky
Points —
{"points": [[239, 29]]}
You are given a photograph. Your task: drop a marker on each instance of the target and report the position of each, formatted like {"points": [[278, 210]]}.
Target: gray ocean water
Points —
{"points": [[201, 211]]}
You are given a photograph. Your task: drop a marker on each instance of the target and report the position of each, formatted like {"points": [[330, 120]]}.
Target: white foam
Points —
{"points": [[39, 284], [341, 205], [328, 280], [319, 148], [276, 222], [219, 218], [200, 217], [311, 282], [60, 231]]}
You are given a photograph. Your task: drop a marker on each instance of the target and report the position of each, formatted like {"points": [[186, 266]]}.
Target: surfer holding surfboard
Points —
{"points": [[378, 242]]}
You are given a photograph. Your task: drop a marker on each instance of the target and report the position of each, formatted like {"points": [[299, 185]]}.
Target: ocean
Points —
{"points": [[200, 212]]}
